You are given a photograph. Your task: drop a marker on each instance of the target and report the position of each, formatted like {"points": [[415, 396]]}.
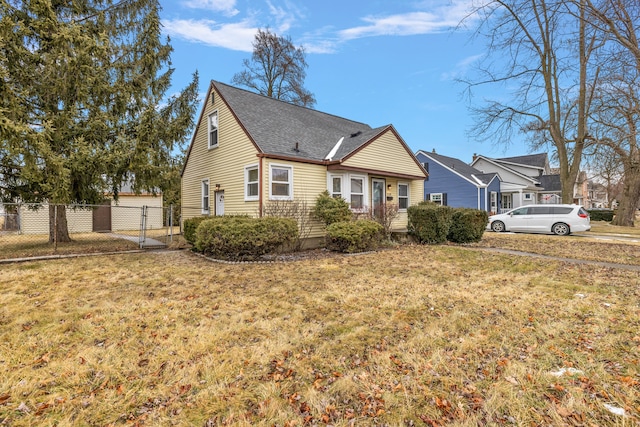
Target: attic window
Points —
{"points": [[213, 129]]}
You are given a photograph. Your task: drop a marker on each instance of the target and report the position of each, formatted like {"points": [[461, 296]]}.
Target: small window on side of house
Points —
{"points": [[213, 129], [251, 183], [436, 198], [357, 193], [205, 196], [281, 182], [403, 196], [335, 186]]}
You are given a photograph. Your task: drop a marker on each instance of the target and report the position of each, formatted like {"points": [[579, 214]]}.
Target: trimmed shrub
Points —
{"points": [[189, 228], [429, 222], [330, 209], [467, 225], [354, 236], [244, 238], [601, 215]]}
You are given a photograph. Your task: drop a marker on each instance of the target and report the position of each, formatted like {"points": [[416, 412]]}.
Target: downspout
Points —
{"points": [[260, 188]]}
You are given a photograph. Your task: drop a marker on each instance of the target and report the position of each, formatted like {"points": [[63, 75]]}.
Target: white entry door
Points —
{"points": [[219, 197]]}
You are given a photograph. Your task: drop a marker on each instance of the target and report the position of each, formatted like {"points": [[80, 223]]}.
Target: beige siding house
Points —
{"points": [[249, 151]]}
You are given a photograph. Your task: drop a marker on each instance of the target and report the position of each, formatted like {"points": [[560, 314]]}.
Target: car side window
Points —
{"points": [[559, 210], [539, 210], [521, 211]]}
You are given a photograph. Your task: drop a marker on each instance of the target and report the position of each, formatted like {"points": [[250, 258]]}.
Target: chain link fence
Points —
{"points": [[26, 230]]}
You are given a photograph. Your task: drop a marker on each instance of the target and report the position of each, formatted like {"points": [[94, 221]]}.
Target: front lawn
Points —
{"points": [[416, 335]]}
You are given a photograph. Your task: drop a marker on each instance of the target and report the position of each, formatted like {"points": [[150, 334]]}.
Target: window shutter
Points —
{"points": [[427, 196], [444, 199], [425, 165]]}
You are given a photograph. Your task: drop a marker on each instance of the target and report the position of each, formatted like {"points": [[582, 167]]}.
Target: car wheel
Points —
{"points": [[497, 226], [560, 229]]}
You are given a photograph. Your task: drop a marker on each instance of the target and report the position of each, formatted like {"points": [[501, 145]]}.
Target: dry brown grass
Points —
{"points": [[409, 336], [584, 248]]}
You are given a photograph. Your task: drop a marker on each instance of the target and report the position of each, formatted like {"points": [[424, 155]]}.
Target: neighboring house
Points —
{"points": [[598, 195], [109, 216], [452, 182], [250, 150], [524, 179]]}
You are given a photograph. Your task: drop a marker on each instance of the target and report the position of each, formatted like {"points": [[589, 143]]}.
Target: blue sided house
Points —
{"points": [[451, 182]]}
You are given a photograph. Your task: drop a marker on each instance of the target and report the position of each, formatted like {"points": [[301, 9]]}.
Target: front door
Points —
{"points": [[219, 198], [378, 197], [506, 202]]}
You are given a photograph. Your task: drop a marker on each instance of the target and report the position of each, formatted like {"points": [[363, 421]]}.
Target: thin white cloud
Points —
{"points": [[460, 68], [285, 17], [431, 16], [227, 7], [397, 25], [234, 36]]}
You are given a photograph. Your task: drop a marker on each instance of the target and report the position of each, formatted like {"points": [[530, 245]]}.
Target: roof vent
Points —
{"points": [[353, 135], [296, 149]]}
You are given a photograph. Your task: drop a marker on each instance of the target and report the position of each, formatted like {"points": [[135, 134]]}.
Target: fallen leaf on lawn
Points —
{"points": [[571, 371], [564, 412], [615, 410], [511, 380]]}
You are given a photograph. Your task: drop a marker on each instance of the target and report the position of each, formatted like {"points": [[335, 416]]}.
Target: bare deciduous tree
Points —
{"points": [[544, 50], [616, 112], [276, 69]]}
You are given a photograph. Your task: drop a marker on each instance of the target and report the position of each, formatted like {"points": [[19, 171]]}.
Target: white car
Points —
{"points": [[557, 219]]}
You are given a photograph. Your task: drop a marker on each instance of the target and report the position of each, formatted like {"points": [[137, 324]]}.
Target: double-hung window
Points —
{"points": [[251, 182], [213, 129], [281, 182], [357, 192], [403, 196], [205, 196], [437, 198], [335, 186]]}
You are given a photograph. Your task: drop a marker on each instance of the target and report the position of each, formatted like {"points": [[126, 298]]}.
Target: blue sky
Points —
{"points": [[376, 61]]}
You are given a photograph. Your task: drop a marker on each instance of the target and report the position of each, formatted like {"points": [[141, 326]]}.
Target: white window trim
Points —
{"points": [[290, 182], [209, 144], [435, 194], [346, 188], [408, 196], [330, 178], [205, 208], [365, 192], [247, 197]]}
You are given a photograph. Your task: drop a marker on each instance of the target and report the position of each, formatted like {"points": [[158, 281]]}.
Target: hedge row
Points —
{"points": [[601, 215], [431, 223], [243, 238]]}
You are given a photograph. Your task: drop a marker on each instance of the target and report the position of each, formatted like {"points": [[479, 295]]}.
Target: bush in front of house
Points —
{"points": [[467, 225], [429, 222], [244, 238], [601, 215], [189, 228], [331, 209], [354, 236]]}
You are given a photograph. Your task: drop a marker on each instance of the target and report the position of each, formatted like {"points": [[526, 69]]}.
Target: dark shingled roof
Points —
{"points": [[550, 183], [537, 160], [284, 125], [462, 168]]}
